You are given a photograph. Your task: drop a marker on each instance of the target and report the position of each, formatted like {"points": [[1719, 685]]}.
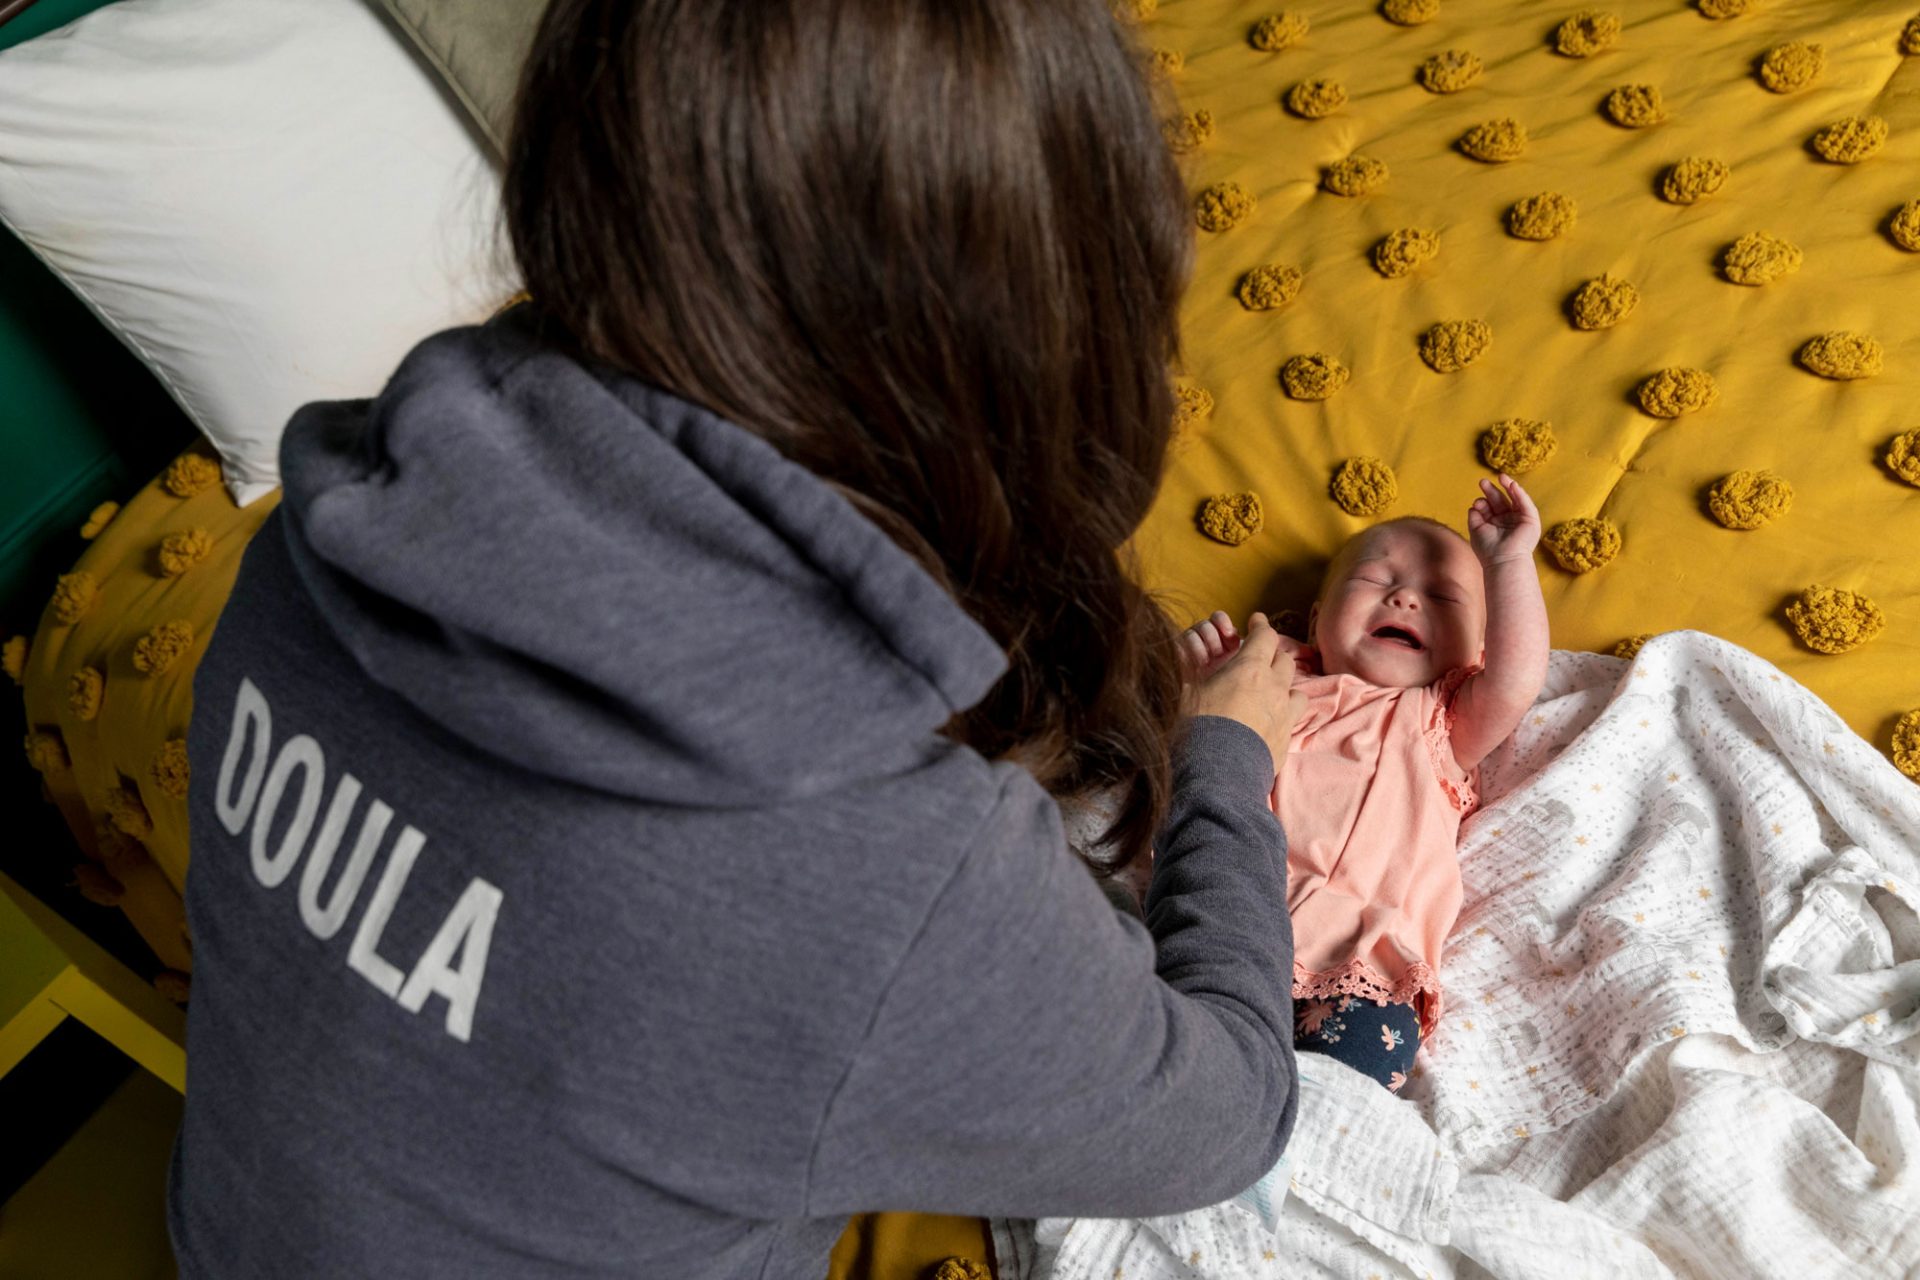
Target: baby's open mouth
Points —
{"points": [[1398, 635]]}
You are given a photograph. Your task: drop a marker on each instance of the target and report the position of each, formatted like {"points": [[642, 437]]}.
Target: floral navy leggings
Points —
{"points": [[1378, 1040]]}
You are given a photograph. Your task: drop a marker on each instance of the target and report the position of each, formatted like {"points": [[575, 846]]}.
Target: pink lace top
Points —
{"points": [[1371, 800]]}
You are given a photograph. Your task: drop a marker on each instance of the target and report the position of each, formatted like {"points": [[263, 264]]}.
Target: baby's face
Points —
{"points": [[1401, 607]]}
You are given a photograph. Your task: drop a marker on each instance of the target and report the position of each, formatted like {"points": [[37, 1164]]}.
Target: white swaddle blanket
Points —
{"points": [[1684, 991]]}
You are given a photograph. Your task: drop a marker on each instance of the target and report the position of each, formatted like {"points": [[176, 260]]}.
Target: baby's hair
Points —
{"points": [[1438, 524], [1388, 524]]}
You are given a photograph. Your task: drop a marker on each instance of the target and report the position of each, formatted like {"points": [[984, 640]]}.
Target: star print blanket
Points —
{"points": [[1681, 1038]]}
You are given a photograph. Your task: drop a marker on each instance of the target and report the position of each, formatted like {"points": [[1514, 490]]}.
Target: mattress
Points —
{"points": [[1349, 127]]}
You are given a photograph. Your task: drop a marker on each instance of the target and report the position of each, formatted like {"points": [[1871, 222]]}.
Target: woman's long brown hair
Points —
{"points": [[932, 250]]}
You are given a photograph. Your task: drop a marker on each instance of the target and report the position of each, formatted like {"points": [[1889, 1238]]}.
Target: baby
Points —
{"points": [[1425, 649]]}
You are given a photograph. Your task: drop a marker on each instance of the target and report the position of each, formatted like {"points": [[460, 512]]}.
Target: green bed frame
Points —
{"points": [[81, 421]]}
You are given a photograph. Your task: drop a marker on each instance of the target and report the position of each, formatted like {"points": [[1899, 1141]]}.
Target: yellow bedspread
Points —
{"points": [[112, 771], [1852, 523]]}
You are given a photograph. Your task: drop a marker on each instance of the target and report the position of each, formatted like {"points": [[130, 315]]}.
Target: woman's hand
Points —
{"points": [[1249, 679]]}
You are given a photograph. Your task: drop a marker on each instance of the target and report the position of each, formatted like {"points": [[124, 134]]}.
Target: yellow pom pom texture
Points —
{"points": [[1265, 288], [1401, 251], [179, 552], [74, 594], [1516, 446], [1190, 404], [190, 474], [1903, 456], [128, 813], [1906, 738], [84, 688], [1279, 31], [1693, 179], [1759, 258], [1452, 345], [1496, 141], [1672, 392], [1223, 205], [1834, 620], [1631, 646], [97, 520], [1851, 140], [1188, 132], [1904, 226], [169, 769], [1450, 71], [1357, 175], [1842, 355], [1231, 518], [46, 751], [1313, 377], [1364, 486], [1586, 33], [1410, 13], [1749, 499], [1602, 302], [162, 646], [1542, 217], [1583, 544], [1791, 66], [1636, 106], [1314, 99]]}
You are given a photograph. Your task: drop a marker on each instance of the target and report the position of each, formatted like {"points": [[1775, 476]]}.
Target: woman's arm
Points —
{"points": [[1039, 1054]]}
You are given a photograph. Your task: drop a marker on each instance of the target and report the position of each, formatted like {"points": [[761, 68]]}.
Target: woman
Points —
{"points": [[625, 837]]}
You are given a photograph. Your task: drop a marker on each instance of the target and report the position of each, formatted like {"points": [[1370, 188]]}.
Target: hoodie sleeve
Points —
{"points": [[1040, 1054]]}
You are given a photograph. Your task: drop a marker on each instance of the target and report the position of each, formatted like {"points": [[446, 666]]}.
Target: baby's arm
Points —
{"points": [[1504, 527]]}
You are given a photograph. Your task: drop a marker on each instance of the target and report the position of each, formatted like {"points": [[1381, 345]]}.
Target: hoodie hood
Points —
{"points": [[603, 583]]}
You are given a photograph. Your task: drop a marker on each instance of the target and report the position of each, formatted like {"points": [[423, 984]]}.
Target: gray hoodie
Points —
{"points": [[580, 886]]}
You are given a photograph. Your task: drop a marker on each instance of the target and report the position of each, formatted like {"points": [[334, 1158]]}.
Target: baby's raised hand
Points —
{"points": [[1206, 644], [1503, 523]]}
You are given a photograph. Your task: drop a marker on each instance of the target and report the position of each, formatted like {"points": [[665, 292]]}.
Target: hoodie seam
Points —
{"points": [[880, 1002]]}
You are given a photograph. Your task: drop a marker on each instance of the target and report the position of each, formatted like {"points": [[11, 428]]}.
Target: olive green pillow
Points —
{"points": [[477, 46]]}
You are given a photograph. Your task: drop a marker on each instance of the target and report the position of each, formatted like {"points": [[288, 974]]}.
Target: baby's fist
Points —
{"points": [[1503, 523], [1206, 644]]}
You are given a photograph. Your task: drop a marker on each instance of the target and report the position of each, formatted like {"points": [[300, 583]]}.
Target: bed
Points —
{"points": [[1677, 241], [1657, 258]]}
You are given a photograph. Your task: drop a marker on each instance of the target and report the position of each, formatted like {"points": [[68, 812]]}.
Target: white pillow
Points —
{"points": [[270, 203]]}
